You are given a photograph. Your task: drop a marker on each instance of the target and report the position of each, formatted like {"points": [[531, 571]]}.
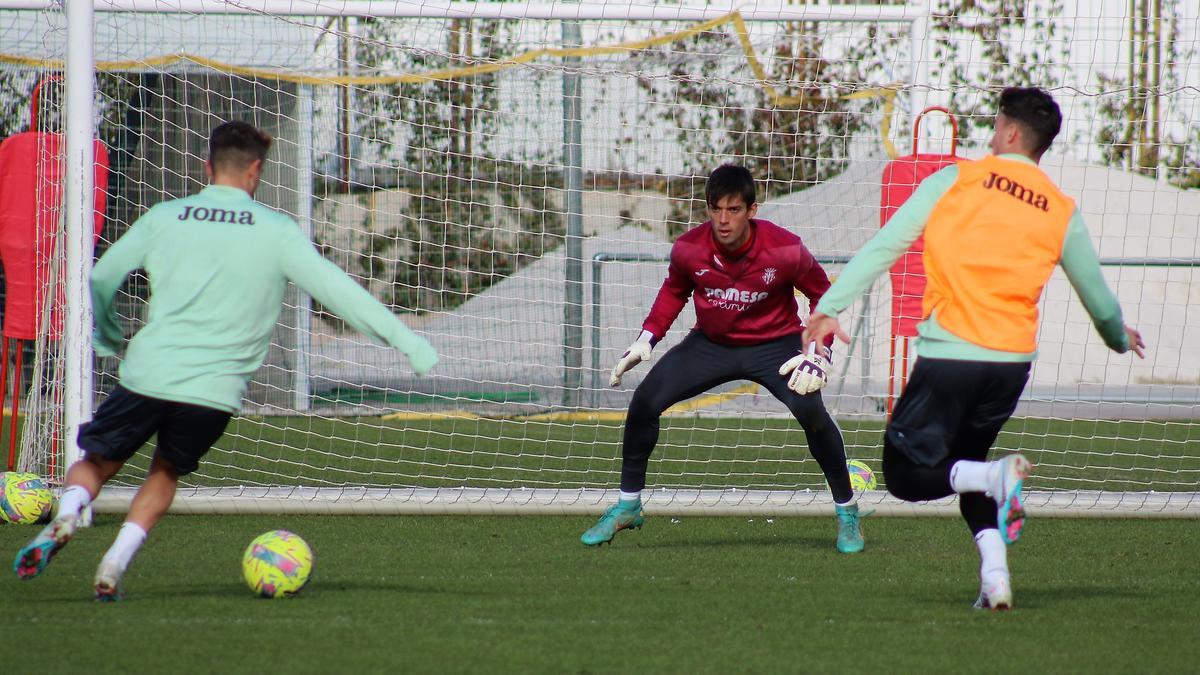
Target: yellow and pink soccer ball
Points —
{"points": [[861, 476], [24, 498], [277, 564]]}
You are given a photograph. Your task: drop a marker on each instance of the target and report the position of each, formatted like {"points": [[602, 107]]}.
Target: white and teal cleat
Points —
{"points": [[1010, 516]]}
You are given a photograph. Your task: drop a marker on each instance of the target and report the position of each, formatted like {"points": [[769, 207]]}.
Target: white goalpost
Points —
{"points": [[509, 176]]}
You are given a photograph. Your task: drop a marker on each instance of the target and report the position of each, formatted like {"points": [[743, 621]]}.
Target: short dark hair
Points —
{"points": [[730, 180], [236, 144], [1036, 111]]}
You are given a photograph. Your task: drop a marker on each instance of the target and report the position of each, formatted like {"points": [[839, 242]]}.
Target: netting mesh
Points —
{"points": [[426, 158]]}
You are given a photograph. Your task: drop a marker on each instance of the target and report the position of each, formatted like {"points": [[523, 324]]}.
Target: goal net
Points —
{"points": [[508, 177]]}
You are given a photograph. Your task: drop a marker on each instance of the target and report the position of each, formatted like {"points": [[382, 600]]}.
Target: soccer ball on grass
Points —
{"points": [[277, 564], [861, 476], [24, 498]]}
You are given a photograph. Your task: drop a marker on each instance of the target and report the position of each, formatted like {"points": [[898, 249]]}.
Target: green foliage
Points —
{"points": [[15, 88], [112, 95], [1135, 131], [984, 46], [477, 215], [459, 251], [718, 116], [1183, 161]]}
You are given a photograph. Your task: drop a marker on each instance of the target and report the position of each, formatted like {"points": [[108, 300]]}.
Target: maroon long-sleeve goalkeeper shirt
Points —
{"points": [[739, 301]]}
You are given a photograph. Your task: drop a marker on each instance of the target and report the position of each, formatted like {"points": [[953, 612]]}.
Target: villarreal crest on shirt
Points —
{"points": [[991, 243]]}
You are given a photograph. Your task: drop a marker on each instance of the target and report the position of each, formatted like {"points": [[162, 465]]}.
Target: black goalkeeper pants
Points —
{"points": [[698, 364], [950, 410]]}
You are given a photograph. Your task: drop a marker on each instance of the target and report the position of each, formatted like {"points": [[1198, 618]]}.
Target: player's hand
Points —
{"points": [[809, 372], [423, 357], [638, 351], [1136, 344], [821, 326]]}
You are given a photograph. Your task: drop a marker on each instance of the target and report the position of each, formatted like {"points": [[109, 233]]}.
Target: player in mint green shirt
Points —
{"points": [[218, 264]]}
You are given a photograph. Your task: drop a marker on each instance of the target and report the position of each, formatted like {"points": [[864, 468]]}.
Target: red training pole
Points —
{"points": [[891, 376], [3, 390], [56, 431], [16, 404]]}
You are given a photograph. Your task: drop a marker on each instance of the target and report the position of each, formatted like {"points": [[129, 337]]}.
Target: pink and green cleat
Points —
{"points": [[36, 555], [1010, 515]]}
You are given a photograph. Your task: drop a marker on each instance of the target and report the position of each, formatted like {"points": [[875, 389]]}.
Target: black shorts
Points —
{"points": [[126, 420], [955, 408]]}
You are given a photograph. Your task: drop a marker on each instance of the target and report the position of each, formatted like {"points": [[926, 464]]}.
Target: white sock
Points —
{"points": [[73, 500], [631, 496], [129, 540], [967, 476], [993, 555]]}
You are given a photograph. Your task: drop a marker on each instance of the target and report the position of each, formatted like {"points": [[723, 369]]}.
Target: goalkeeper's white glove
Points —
{"points": [[809, 371], [638, 351]]}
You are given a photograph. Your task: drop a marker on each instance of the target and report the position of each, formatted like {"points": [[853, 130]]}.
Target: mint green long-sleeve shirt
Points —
{"points": [[1078, 260], [219, 264]]}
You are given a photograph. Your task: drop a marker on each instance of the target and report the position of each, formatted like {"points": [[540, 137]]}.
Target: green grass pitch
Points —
{"points": [[520, 594], [689, 594]]}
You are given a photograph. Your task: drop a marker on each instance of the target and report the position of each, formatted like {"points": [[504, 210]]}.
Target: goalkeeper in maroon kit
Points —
{"points": [[741, 273]]}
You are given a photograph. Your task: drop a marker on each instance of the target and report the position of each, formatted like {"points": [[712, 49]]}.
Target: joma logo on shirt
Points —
{"points": [[1015, 189], [734, 294], [217, 215]]}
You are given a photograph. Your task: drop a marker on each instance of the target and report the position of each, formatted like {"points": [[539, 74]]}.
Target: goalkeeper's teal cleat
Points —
{"points": [[36, 555], [1010, 516], [618, 517], [849, 538]]}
